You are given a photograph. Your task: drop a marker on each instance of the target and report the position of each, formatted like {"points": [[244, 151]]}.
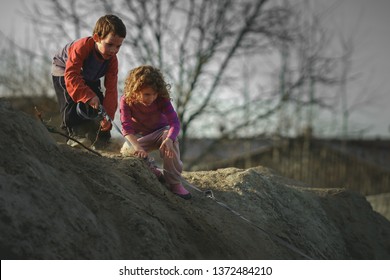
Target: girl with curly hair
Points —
{"points": [[149, 122]]}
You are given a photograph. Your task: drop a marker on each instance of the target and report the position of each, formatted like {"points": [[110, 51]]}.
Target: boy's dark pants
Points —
{"points": [[86, 125]]}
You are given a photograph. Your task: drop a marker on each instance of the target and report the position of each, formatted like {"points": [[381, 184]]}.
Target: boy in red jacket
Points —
{"points": [[76, 73]]}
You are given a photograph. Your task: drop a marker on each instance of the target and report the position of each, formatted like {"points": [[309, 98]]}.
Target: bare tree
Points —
{"points": [[301, 48], [308, 68], [23, 72], [348, 44]]}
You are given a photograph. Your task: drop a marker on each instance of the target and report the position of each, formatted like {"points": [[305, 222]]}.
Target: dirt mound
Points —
{"points": [[381, 203], [62, 203]]}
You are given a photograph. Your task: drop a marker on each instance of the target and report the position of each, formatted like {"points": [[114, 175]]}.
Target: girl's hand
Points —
{"points": [[138, 150], [141, 153], [167, 147]]}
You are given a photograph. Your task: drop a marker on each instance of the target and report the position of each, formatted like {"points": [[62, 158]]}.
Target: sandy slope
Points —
{"points": [[381, 204], [62, 203]]}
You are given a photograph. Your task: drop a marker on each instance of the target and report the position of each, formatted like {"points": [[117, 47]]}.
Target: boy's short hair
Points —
{"points": [[109, 24]]}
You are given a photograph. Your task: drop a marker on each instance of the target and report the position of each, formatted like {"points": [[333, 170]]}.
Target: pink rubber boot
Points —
{"points": [[179, 190]]}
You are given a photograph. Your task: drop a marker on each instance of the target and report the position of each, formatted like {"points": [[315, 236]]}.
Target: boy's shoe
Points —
{"points": [[179, 190], [100, 139], [101, 145], [85, 141]]}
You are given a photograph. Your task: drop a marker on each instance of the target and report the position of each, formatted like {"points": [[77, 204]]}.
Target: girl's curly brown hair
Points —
{"points": [[145, 76]]}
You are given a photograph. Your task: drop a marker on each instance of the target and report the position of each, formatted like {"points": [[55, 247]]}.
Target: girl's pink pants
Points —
{"points": [[173, 167]]}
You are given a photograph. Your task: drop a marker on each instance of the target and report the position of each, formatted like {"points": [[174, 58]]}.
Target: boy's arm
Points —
{"points": [[110, 102], [74, 81]]}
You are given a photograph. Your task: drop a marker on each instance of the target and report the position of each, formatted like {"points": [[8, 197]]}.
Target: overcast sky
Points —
{"points": [[371, 59], [8, 14]]}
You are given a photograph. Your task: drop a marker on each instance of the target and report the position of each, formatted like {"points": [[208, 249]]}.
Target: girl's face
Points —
{"points": [[147, 95], [109, 46]]}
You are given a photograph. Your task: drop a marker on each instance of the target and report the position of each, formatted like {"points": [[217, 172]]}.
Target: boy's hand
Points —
{"points": [[105, 125], [167, 147], [94, 102]]}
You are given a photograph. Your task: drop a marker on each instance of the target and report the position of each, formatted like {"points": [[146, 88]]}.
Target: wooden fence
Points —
{"points": [[322, 164]]}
